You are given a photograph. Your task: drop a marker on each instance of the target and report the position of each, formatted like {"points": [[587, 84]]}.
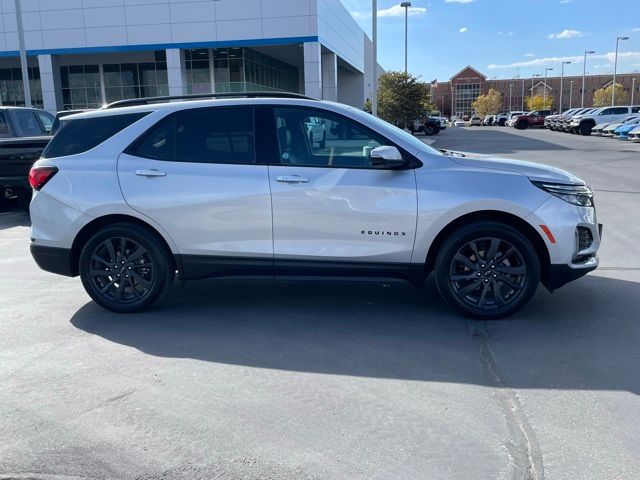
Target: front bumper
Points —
{"points": [[560, 275]]}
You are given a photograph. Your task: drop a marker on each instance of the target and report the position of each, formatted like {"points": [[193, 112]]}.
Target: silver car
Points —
{"points": [[133, 195]]}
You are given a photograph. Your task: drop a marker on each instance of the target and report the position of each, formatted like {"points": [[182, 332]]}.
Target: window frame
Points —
{"points": [[414, 163]]}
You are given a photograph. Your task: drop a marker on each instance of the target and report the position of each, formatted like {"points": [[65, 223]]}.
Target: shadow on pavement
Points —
{"points": [[11, 217], [585, 336], [491, 141]]}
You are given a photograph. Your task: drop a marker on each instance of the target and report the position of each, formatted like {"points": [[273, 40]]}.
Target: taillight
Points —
{"points": [[39, 176]]}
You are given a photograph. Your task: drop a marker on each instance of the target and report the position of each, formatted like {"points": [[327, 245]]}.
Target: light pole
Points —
{"points": [[544, 90], [633, 90], [522, 99], [406, 6], [615, 68], [561, 85], [510, 95], [374, 50], [570, 93], [584, 73], [23, 56], [535, 75]]}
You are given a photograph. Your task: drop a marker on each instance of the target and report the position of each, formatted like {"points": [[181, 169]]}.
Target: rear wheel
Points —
{"points": [[487, 270], [429, 130], [125, 269]]}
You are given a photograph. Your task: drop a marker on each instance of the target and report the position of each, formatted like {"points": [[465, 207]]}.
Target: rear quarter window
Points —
{"points": [[79, 136]]}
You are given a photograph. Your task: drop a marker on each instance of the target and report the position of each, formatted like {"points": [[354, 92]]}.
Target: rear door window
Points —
{"points": [[46, 120], [79, 136], [27, 123]]}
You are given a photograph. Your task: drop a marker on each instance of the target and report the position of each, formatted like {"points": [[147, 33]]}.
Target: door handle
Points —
{"points": [[292, 179], [151, 173]]}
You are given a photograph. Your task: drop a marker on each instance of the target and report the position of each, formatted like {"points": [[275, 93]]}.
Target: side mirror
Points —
{"points": [[388, 157]]}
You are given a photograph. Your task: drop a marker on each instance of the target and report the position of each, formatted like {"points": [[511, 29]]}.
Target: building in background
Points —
{"points": [[84, 54], [456, 96]]}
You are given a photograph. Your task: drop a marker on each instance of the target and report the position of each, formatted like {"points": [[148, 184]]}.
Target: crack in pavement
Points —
{"points": [[522, 445]]}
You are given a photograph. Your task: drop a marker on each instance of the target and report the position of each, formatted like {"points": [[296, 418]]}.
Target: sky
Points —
{"points": [[504, 38]]}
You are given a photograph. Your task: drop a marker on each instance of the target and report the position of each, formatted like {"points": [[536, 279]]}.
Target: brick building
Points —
{"points": [[456, 96]]}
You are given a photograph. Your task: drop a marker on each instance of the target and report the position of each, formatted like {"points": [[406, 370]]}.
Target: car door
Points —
{"points": [[197, 175], [334, 212]]}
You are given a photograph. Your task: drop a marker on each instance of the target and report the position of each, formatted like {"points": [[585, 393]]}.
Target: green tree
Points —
{"points": [[402, 98], [539, 102], [602, 97], [488, 104]]}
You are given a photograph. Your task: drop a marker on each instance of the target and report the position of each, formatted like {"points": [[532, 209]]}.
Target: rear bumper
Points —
{"points": [[54, 260]]}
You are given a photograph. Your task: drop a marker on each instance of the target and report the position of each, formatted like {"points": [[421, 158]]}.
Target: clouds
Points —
{"points": [[567, 33], [539, 62], [529, 55], [463, 29], [398, 11]]}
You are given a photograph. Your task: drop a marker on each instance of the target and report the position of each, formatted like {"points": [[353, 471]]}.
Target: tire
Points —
{"points": [[500, 283], [149, 271], [429, 130], [585, 129], [501, 123]]}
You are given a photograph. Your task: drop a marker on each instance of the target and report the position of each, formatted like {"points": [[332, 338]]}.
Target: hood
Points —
{"points": [[535, 171]]}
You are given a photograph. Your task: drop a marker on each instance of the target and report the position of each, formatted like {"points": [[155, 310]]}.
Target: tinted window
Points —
{"points": [[27, 124], [78, 136], [158, 143], [216, 135], [46, 120], [620, 110], [4, 126], [322, 139]]}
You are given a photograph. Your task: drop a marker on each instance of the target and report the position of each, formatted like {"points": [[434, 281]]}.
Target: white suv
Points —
{"points": [[127, 197], [584, 123]]}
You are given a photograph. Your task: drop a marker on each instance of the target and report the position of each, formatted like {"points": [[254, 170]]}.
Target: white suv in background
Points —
{"points": [[583, 123], [131, 195]]}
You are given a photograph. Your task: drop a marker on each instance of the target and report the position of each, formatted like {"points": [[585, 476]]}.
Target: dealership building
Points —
{"points": [[87, 53], [456, 96]]}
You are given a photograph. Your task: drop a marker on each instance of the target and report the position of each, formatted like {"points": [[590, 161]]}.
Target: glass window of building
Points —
{"points": [[136, 80], [12, 90], [198, 74], [80, 87]]}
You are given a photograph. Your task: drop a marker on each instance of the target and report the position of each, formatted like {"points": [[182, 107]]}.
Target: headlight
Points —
{"points": [[580, 195]]}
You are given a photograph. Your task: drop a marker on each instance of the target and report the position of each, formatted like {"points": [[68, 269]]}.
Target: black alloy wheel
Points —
{"points": [[124, 268], [487, 270]]}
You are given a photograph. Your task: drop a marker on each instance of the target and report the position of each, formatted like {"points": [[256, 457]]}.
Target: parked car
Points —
{"points": [[564, 123], [554, 122], [608, 131], [634, 135], [532, 119], [597, 130], [127, 196], [428, 126], [622, 131], [24, 133], [501, 119], [460, 123], [316, 131], [488, 120], [583, 123], [443, 122], [475, 121], [511, 118]]}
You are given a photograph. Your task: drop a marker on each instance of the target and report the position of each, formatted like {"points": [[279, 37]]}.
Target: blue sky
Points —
{"points": [[502, 38]]}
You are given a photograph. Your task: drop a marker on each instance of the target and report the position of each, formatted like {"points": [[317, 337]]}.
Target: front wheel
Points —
{"points": [[487, 270], [585, 129], [125, 269], [429, 130]]}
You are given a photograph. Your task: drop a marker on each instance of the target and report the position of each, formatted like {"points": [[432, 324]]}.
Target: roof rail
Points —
{"points": [[199, 96]]}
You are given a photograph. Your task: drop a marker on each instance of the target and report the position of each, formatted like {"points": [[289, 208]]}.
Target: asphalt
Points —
{"points": [[293, 380]]}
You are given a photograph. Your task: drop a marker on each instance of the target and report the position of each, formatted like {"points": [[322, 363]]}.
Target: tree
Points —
{"points": [[488, 104], [402, 98], [538, 102], [602, 97]]}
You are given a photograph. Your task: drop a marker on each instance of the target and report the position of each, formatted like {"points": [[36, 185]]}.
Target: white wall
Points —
{"points": [[339, 32], [63, 24]]}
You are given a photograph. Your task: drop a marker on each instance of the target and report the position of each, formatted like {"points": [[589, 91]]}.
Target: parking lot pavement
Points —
{"points": [[290, 380]]}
